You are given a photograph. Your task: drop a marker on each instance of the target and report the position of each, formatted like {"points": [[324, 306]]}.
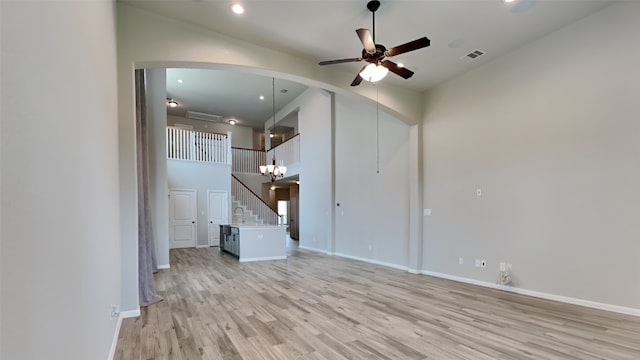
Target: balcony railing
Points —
{"points": [[287, 153], [185, 144]]}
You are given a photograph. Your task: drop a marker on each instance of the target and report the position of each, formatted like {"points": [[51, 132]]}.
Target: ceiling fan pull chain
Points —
{"points": [[377, 132]]}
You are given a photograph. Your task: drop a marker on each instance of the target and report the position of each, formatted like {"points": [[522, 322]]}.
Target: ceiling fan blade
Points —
{"points": [[410, 46], [358, 78], [340, 61], [394, 68], [366, 40]]}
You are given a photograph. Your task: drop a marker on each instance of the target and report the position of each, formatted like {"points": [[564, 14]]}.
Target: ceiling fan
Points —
{"points": [[375, 54]]}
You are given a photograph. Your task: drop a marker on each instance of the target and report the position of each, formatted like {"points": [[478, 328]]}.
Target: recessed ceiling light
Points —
{"points": [[261, 97], [232, 122], [272, 135], [238, 9], [180, 81], [508, 1]]}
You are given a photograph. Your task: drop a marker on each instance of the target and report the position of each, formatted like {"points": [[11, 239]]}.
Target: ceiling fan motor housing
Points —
{"points": [[375, 57]]}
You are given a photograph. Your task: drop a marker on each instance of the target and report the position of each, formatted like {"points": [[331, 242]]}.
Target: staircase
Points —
{"points": [[247, 161], [248, 206], [242, 215]]}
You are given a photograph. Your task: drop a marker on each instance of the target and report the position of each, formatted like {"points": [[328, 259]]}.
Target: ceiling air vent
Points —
{"points": [[203, 116], [474, 55]]}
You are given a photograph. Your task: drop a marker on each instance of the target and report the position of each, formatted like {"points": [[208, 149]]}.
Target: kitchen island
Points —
{"points": [[254, 242]]}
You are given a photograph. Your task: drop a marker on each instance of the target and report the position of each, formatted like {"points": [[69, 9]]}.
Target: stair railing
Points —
{"points": [[253, 202], [247, 161]]}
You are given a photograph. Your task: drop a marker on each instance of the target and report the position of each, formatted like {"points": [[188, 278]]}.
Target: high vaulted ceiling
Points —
{"points": [[232, 95], [319, 30]]}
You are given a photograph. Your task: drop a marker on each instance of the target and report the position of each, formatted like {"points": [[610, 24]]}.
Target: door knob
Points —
{"points": [[193, 222], [210, 222]]}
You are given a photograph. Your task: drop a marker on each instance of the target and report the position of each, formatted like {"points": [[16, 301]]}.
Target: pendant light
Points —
{"points": [[272, 170]]}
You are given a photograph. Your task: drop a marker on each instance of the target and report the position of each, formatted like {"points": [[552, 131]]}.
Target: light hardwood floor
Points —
{"points": [[313, 306]]}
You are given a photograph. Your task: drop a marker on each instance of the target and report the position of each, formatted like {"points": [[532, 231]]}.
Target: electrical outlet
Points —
{"points": [[460, 261], [503, 266], [477, 262], [509, 267], [115, 311], [483, 263]]}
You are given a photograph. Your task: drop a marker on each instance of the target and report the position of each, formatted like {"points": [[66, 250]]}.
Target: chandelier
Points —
{"points": [[273, 170]]}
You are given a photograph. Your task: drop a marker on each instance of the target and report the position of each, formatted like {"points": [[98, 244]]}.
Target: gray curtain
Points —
{"points": [[147, 264]]}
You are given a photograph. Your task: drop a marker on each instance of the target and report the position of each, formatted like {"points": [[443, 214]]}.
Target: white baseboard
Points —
{"points": [[371, 261], [130, 313], [263, 258], [164, 267], [202, 246], [395, 266], [538, 294], [314, 249], [114, 342]]}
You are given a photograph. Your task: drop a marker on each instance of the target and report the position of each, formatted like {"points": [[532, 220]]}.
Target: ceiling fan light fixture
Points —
{"points": [[374, 72], [232, 122], [172, 103], [237, 9]]}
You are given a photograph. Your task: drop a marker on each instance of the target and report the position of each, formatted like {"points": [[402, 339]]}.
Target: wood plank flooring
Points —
{"points": [[313, 306]]}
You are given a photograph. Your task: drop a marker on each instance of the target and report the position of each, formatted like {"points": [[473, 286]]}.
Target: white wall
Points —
{"points": [[241, 136], [550, 133], [315, 168], [156, 80], [376, 206], [372, 221], [60, 225], [200, 177]]}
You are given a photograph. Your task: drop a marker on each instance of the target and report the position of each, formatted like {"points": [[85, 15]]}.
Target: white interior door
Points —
{"points": [[182, 218], [218, 214]]}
